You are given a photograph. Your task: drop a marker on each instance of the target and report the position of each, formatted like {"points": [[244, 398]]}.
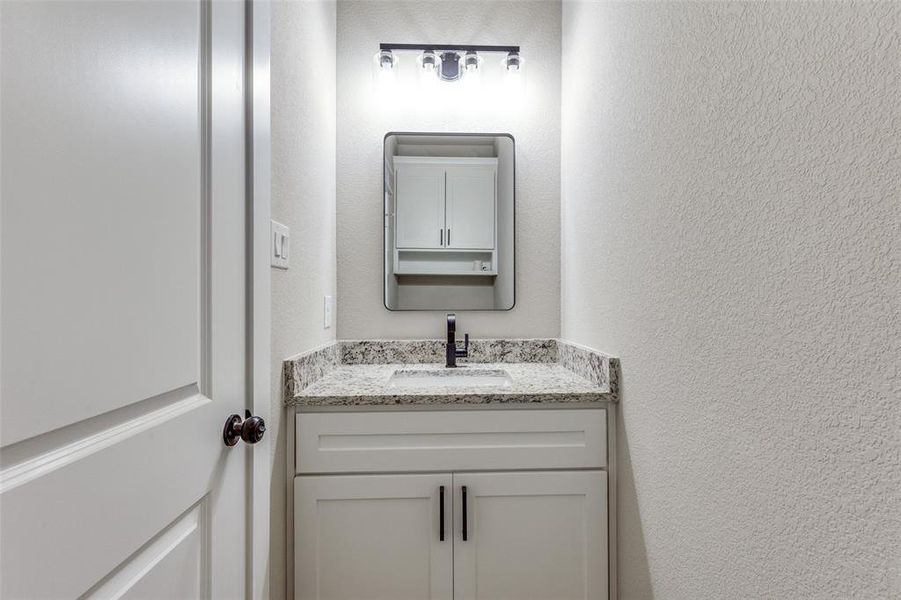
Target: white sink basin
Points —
{"points": [[454, 378]]}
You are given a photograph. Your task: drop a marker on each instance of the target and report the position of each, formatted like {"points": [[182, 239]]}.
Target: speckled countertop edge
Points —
{"points": [[369, 385], [357, 373]]}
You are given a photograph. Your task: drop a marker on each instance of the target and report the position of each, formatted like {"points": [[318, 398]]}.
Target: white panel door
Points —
{"points": [[420, 206], [123, 299], [471, 206], [536, 535], [371, 537]]}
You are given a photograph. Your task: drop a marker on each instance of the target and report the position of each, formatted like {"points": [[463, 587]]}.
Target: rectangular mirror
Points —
{"points": [[449, 221]]}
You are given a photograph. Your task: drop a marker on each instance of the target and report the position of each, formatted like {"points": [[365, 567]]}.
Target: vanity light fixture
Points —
{"points": [[449, 62]]}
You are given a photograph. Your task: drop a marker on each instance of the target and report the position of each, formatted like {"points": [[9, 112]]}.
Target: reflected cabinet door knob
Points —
{"points": [[250, 429]]}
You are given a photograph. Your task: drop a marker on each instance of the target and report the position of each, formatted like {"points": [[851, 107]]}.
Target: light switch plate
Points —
{"points": [[327, 311], [279, 245]]}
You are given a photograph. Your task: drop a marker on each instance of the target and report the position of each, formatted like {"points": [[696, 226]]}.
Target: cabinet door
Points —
{"points": [[420, 206], [470, 206], [538, 535], [372, 537]]}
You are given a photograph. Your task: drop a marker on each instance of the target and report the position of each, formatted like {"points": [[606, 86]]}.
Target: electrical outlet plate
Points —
{"points": [[279, 245]]}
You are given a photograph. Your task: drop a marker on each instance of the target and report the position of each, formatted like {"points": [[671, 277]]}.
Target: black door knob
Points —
{"points": [[250, 429]]}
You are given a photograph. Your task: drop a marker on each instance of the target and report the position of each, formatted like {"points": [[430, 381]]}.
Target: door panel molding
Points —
{"points": [[80, 521], [205, 101], [92, 435], [188, 534]]}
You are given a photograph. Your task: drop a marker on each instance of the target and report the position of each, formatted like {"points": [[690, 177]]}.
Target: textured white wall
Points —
{"points": [[731, 190], [533, 118], [303, 198]]}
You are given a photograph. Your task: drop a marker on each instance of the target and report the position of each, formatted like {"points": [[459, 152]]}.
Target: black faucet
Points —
{"points": [[451, 351]]}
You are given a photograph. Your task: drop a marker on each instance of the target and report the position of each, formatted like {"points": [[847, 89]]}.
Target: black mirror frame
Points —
{"points": [[382, 223]]}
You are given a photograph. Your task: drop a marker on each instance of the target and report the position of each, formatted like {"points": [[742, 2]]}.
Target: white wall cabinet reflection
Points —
{"points": [[445, 215]]}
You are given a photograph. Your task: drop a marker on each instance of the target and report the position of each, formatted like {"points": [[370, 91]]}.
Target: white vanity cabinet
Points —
{"points": [[513, 504], [445, 215], [537, 534], [372, 536]]}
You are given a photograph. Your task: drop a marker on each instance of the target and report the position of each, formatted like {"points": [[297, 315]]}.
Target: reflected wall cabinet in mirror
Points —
{"points": [[449, 221]]}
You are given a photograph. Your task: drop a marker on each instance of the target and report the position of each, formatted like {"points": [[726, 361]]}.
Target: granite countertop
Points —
{"points": [[370, 385]]}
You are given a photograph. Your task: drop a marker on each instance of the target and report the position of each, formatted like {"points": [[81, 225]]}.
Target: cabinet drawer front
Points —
{"points": [[451, 440]]}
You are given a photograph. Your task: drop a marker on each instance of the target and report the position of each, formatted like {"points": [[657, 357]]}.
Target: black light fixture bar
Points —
{"points": [[448, 47]]}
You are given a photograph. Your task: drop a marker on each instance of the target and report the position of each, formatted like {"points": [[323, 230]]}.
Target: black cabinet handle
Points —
{"points": [[441, 235], [441, 513], [465, 532], [448, 236]]}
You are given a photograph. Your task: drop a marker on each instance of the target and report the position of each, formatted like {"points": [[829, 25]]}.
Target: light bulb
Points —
{"points": [[471, 62], [429, 61], [513, 61], [386, 60]]}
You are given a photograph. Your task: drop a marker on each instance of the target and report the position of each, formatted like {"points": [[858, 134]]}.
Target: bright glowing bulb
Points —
{"points": [[384, 72], [429, 61], [471, 62], [386, 60], [513, 61]]}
